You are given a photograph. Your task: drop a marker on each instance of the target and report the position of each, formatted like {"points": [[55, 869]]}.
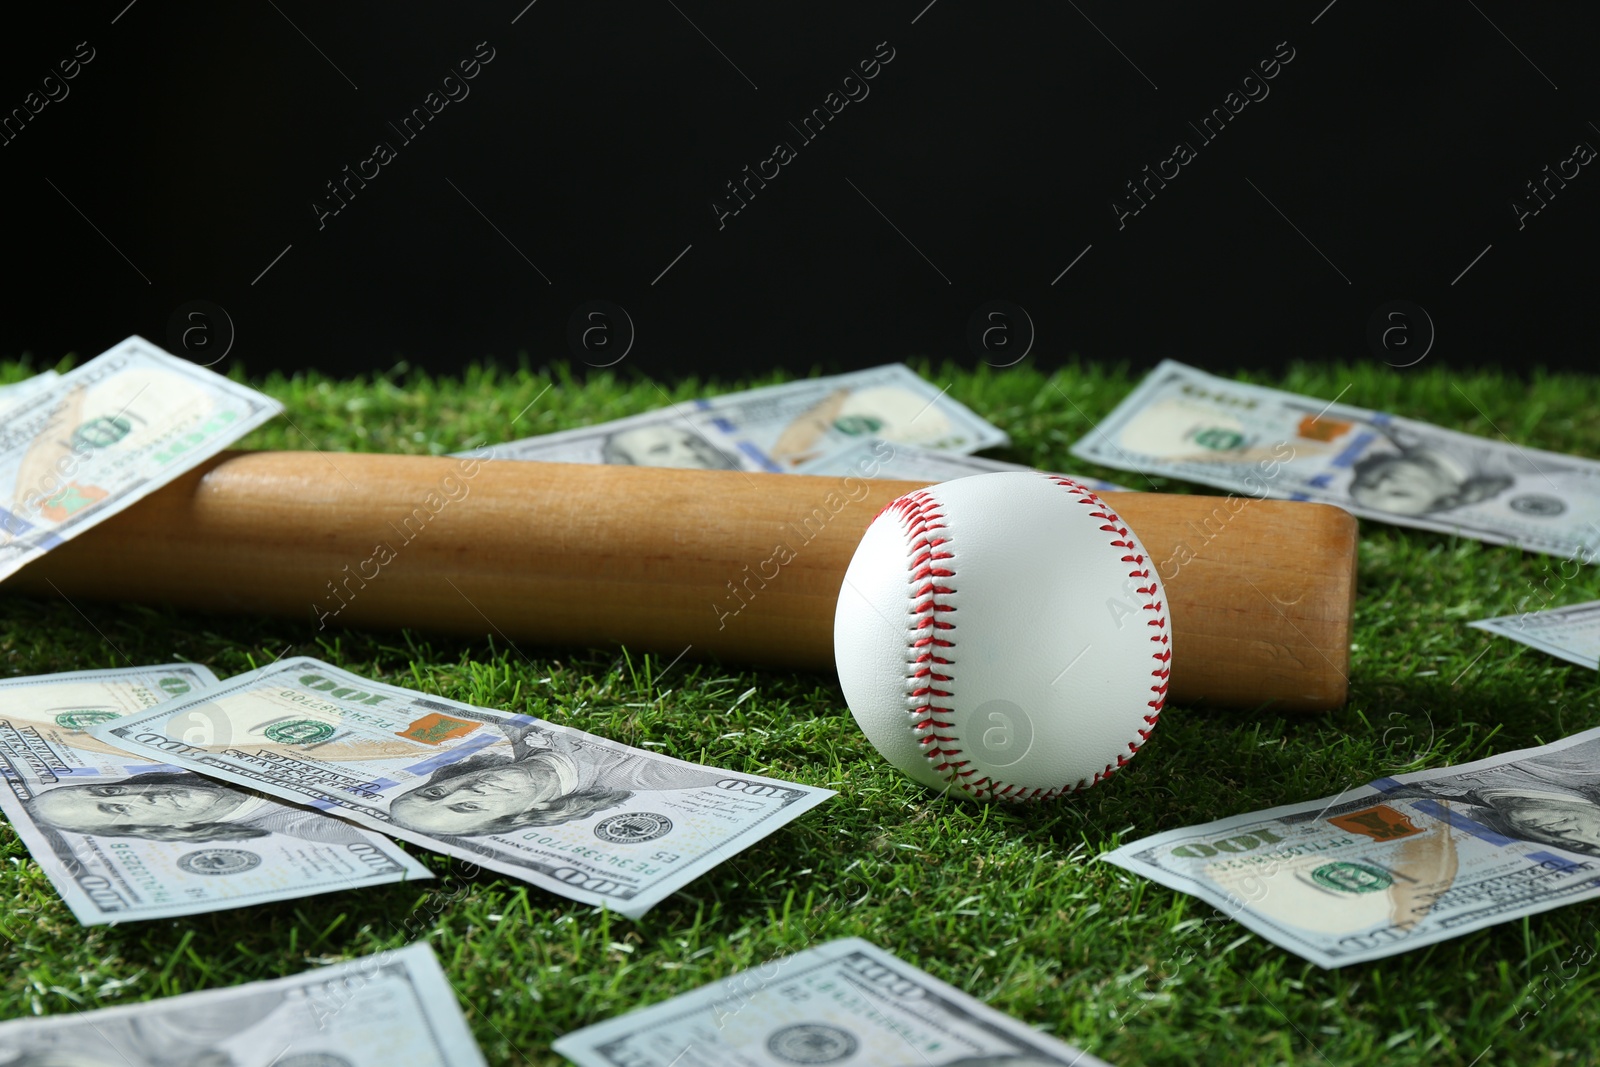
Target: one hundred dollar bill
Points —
{"points": [[82, 447], [14, 392], [877, 458], [576, 814], [1183, 423], [775, 428], [128, 837], [393, 1009], [1572, 632], [1402, 862], [847, 1003]]}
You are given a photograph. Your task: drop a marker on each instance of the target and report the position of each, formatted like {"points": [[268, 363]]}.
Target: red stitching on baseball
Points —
{"points": [[1112, 524], [1163, 655], [924, 683]]}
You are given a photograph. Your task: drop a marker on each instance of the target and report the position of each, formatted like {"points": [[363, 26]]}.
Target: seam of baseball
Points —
{"points": [[1141, 569], [929, 659], [936, 736]]}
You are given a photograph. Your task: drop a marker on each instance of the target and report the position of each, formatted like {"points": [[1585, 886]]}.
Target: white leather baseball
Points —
{"points": [[1003, 637]]}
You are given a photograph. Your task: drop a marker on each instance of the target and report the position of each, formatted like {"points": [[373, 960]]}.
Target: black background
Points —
{"points": [[986, 159]]}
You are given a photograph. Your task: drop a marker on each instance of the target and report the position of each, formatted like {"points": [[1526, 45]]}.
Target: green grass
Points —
{"points": [[1010, 905]]}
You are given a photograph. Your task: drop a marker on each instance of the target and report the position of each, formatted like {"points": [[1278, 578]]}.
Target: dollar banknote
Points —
{"points": [[1572, 632], [1259, 442], [846, 1003], [576, 814], [128, 837], [1402, 862], [14, 392], [877, 458], [775, 428], [393, 1009], [85, 445]]}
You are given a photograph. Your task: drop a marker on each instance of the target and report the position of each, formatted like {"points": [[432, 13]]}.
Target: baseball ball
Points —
{"points": [[1003, 636]]}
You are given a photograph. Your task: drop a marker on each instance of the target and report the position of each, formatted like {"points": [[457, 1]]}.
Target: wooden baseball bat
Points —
{"points": [[744, 567]]}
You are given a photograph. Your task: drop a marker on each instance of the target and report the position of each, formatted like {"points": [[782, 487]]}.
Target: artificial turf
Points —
{"points": [[1007, 903]]}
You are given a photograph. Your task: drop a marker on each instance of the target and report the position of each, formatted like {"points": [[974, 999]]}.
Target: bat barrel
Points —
{"points": [[743, 567]]}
